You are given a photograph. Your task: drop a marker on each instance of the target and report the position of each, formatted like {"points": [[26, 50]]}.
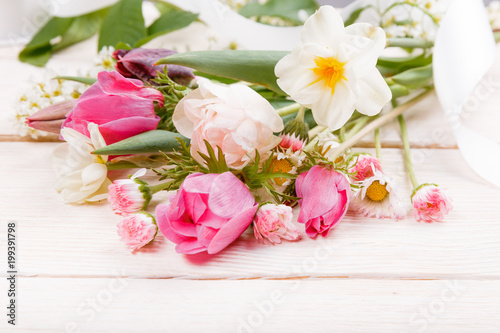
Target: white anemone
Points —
{"points": [[82, 176]]}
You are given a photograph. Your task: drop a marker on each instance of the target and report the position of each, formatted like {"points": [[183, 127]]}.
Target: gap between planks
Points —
{"points": [[394, 145]]}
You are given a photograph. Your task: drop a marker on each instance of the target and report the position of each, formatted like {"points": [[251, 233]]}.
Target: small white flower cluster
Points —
{"points": [[412, 18], [45, 90], [104, 61], [493, 10]]}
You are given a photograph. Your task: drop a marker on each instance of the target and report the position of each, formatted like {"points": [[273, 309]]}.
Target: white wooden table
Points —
{"points": [[368, 275]]}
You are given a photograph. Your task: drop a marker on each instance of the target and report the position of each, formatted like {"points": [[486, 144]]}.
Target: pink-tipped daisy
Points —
{"points": [[379, 197], [430, 204]]}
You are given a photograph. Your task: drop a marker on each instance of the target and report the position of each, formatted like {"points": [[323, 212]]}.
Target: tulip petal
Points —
{"points": [[229, 196], [318, 191], [121, 129], [199, 183], [190, 247], [232, 230]]}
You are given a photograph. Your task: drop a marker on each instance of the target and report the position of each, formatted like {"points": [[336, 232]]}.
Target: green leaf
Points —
{"points": [[124, 23], [215, 77], [147, 142], [69, 31], [354, 16], [82, 28], [251, 66], [123, 46], [168, 22], [38, 50], [85, 80], [405, 63], [285, 9], [414, 78]]}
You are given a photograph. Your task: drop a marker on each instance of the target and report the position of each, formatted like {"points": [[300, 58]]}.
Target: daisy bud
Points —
{"points": [[365, 167], [430, 204], [128, 196], [294, 135], [137, 230], [274, 222]]}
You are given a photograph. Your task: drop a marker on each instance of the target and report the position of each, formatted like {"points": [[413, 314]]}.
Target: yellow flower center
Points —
{"points": [[280, 166], [376, 191], [329, 70]]}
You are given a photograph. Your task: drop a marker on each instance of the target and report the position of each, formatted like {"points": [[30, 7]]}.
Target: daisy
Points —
{"points": [[379, 197]]}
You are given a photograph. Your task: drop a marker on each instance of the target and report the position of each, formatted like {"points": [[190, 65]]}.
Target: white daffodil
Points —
{"points": [[82, 176], [333, 70]]}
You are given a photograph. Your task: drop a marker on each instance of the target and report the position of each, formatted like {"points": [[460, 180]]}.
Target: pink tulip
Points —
{"points": [[325, 196], [209, 212], [121, 107], [140, 64]]}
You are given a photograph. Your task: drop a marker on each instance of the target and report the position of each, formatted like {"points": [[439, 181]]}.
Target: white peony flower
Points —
{"points": [[82, 176], [232, 117], [333, 70]]}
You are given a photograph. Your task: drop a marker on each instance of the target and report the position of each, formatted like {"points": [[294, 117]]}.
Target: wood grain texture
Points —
{"points": [[71, 240], [312, 305]]}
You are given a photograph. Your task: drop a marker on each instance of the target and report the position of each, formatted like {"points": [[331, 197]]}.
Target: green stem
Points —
{"points": [[289, 109], [378, 144], [360, 123], [313, 136], [300, 114], [382, 120], [409, 43], [407, 150], [160, 187]]}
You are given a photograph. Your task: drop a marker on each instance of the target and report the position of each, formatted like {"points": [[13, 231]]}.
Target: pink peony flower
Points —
{"points": [[430, 204], [365, 167], [208, 213], [128, 196], [140, 64], [137, 230], [325, 196], [121, 107], [274, 222], [232, 117]]}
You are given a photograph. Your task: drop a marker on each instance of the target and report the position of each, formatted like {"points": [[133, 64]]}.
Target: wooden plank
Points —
{"points": [[72, 240], [333, 305]]}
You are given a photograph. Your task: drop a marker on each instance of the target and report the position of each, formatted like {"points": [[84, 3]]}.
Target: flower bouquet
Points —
{"points": [[241, 137]]}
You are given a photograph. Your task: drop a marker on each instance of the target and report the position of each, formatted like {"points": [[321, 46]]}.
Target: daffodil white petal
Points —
{"points": [[323, 27], [333, 70], [375, 93]]}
